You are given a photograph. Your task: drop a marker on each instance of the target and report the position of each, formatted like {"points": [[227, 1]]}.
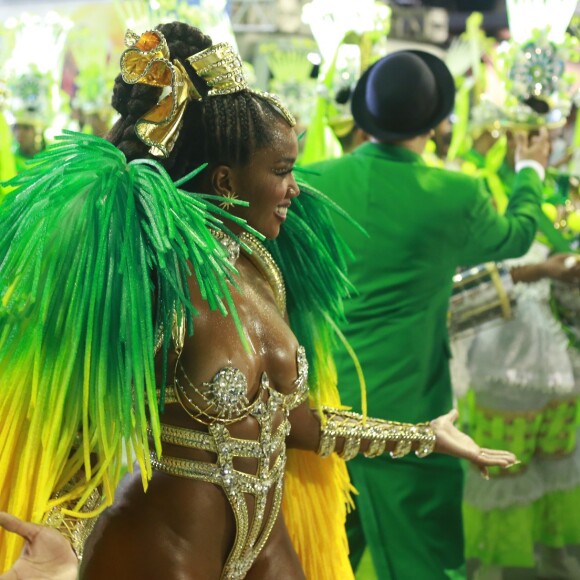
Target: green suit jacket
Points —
{"points": [[422, 223]]}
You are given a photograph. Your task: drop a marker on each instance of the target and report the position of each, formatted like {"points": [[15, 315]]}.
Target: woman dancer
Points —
{"points": [[212, 445]]}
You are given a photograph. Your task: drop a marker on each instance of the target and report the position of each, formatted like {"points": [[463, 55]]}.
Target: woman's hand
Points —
{"points": [[46, 555], [451, 441]]}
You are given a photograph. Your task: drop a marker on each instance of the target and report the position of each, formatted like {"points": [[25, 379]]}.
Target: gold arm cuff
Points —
{"points": [[353, 429]]}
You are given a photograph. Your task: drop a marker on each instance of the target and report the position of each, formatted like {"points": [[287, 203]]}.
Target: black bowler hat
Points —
{"points": [[405, 94]]}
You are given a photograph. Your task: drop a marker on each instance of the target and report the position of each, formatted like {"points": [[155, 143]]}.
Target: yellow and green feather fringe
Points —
{"points": [[87, 241]]}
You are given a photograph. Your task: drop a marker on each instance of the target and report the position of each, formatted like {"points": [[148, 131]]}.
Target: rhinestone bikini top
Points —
{"points": [[224, 398]]}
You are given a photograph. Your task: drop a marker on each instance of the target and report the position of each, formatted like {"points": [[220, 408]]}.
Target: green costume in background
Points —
{"points": [[7, 164], [527, 403], [422, 223]]}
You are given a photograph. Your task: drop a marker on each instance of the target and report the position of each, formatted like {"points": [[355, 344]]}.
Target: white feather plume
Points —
{"points": [[525, 16]]}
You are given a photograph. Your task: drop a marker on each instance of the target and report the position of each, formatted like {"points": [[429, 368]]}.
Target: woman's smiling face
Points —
{"points": [[267, 182]]}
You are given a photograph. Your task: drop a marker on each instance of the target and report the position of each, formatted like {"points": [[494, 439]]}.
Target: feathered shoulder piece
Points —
{"points": [[95, 254], [312, 258]]}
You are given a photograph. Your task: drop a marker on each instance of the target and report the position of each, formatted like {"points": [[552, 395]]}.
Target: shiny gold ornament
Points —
{"points": [[355, 428], [223, 71], [262, 260], [221, 68], [74, 524], [278, 104], [266, 264], [147, 61]]}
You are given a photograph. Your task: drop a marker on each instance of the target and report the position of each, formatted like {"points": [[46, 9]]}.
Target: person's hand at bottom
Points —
{"points": [[46, 555]]}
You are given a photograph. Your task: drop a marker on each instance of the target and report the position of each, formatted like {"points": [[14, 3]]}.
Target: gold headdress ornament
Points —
{"points": [[147, 61]]}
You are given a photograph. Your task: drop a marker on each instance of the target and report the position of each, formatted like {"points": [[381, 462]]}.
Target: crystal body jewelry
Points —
{"points": [[74, 528], [78, 527], [226, 397], [354, 428], [222, 401], [229, 244], [266, 264]]}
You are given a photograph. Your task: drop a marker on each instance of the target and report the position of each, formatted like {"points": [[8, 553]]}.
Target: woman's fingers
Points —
{"points": [[496, 457], [453, 415], [13, 524]]}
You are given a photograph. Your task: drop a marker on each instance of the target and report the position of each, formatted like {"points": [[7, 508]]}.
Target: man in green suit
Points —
{"points": [[422, 223]]}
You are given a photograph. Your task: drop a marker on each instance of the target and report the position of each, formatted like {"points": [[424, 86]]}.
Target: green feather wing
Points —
{"points": [[95, 254], [313, 261]]}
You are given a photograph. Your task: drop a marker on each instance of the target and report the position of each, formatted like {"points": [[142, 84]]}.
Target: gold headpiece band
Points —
{"points": [[146, 61]]}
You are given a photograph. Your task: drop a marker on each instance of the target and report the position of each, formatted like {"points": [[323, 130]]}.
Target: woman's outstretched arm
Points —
{"points": [[308, 433]]}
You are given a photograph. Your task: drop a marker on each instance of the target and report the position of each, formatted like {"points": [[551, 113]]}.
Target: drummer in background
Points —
{"points": [[524, 380], [422, 223]]}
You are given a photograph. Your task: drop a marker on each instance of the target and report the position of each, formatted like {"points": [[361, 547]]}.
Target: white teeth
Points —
{"points": [[282, 210]]}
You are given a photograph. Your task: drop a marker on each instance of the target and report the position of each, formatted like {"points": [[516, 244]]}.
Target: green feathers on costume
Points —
{"points": [[312, 259], [95, 254], [317, 491]]}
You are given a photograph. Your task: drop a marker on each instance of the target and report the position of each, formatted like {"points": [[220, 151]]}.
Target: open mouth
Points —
{"points": [[282, 211]]}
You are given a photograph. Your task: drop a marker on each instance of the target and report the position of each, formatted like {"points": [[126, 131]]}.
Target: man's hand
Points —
{"points": [[46, 554], [563, 267], [451, 441], [535, 148]]}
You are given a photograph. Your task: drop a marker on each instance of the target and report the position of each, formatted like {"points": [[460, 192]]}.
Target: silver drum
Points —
{"points": [[482, 294]]}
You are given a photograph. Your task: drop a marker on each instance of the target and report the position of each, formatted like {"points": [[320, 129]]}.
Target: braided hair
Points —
{"points": [[224, 129]]}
